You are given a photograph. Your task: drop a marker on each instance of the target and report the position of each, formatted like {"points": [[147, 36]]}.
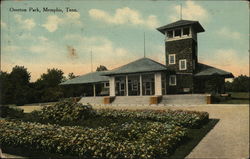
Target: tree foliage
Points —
{"points": [[101, 68], [239, 84]]}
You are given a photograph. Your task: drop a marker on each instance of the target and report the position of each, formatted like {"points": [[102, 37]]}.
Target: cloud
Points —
{"points": [[3, 24], [124, 16], [227, 33], [190, 11], [53, 21], [42, 38], [10, 48], [25, 23], [228, 60]]}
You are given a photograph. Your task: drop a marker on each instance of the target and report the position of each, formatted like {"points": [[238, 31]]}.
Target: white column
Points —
{"points": [[140, 85], [111, 86], [94, 90], [126, 85], [158, 86]]}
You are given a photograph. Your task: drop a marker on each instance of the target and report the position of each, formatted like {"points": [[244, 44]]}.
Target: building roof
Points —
{"points": [[93, 77], [180, 23], [138, 66], [206, 70]]}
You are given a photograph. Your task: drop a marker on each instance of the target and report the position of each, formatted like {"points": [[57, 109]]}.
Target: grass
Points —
{"points": [[240, 95], [236, 98]]}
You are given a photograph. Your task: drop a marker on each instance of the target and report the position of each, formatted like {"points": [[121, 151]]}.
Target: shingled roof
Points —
{"points": [[138, 66], [180, 23], [206, 70], [93, 77]]}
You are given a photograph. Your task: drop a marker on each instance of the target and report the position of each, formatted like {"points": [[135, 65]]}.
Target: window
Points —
{"points": [[177, 32], [170, 34], [135, 85], [183, 64], [106, 85], [186, 31], [172, 80], [171, 59]]}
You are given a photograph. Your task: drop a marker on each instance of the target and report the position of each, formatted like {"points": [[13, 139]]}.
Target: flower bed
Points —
{"points": [[134, 140], [102, 133], [69, 111], [189, 119]]}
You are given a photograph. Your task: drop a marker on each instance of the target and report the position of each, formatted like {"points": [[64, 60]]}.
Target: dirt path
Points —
{"points": [[230, 136]]}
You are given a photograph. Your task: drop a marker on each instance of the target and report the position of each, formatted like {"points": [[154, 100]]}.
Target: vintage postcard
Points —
{"points": [[124, 79]]}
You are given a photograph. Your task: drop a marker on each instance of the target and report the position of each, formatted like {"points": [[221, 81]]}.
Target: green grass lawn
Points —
{"points": [[237, 98], [240, 95]]}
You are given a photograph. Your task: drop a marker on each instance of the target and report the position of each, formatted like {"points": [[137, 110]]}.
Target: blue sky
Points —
{"points": [[113, 30]]}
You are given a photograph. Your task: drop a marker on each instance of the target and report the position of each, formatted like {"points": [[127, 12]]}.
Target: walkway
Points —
{"points": [[229, 139]]}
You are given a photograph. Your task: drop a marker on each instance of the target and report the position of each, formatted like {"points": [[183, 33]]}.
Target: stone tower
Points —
{"points": [[181, 53]]}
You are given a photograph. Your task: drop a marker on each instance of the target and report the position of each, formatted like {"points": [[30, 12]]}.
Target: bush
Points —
{"points": [[10, 112], [189, 119], [64, 111], [134, 140]]}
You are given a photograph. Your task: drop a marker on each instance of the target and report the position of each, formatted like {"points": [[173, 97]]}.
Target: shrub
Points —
{"points": [[189, 119], [10, 112], [64, 111], [134, 140]]}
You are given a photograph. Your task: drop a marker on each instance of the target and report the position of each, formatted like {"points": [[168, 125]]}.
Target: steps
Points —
{"points": [[184, 99], [91, 100], [131, 100]]}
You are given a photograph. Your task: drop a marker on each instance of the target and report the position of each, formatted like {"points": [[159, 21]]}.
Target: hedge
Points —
{"points": [[10, 112], [188, 119], [69, 111], [133, 140]]}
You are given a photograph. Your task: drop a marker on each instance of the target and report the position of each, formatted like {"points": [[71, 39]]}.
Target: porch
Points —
{"points": [[164, 100]]}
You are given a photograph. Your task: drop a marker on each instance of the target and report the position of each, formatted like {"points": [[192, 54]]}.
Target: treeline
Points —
{"points": [[239, 84], [16, 88]]}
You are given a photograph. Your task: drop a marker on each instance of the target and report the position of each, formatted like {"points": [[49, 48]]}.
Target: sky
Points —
{"points": [[38, 39]]}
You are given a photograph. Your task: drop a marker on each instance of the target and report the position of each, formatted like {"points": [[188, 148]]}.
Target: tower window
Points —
{"points": [[172, 80], [183, 64], [186, 31], [170, 34], [177, 32], [171, 59]]}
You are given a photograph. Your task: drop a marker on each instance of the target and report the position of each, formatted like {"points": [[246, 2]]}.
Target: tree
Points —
{"points": [[19, 78], [52, 78], [241, 84], [101, 68], [5, 88], [71, 75], [47, 85], [20, 75]]}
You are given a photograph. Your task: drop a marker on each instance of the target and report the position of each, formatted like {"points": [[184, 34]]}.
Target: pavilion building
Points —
{"points": [[181, 74]]}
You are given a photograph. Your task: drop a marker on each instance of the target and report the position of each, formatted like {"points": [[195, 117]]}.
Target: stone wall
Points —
{"points": [[183, 49]]}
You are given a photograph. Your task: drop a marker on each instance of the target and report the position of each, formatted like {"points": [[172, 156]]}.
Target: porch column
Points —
{"points": [[140, 85], [158, 86], [126, 85], [94, 89], [111, 86]]}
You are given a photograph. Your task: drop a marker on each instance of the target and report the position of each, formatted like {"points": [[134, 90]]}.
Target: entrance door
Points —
{"points": [[122, 88], [148, 88]]}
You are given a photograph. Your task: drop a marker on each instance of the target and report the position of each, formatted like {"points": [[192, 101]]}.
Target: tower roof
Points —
{"points": [[180, 23]]}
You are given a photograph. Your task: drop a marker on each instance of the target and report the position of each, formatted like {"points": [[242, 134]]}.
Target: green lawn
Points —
{"points": [[240, 95], [237, 98]]}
